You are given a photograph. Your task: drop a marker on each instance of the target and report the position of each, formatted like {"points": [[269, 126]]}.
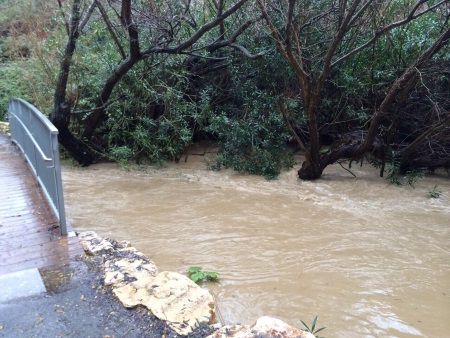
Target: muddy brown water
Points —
{"points": [[370, 259]]}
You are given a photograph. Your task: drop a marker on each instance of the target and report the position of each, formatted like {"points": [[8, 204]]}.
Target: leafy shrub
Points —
{"points": [[11, 85], [152, 116], [250, 130], [394, 170]]}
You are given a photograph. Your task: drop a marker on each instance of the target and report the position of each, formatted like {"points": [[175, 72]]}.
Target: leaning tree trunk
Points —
{"points": [[98, 114], [370, 142], [60, 116], [119, 72]]}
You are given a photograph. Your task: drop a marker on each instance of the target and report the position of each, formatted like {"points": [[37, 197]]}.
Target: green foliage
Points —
{"points": [[121, 154], [159, 108], [395, 175], [154, 120], [196, 273], [412, 176], [393, 168], [312, 329], [28, 53], [435, 193], [360, 83], [24, 79], [27, 80], [250, 130], [11, 86]]}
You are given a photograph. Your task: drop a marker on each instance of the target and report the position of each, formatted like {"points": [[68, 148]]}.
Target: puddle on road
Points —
{"points": [[57, 279]]}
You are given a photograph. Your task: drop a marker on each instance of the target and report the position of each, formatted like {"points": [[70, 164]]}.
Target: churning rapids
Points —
{"points": [[370, 259]]}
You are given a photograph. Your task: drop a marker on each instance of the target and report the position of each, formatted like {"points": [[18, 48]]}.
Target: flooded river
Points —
{"points": [[370, 259]]}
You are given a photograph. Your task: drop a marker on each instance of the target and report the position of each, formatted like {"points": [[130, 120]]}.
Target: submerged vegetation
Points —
{"points": [[141, 81], [435, 193], [196, 273]]}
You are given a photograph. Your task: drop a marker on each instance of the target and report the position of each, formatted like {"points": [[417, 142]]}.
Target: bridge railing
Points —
{"points": [[37, 137]]}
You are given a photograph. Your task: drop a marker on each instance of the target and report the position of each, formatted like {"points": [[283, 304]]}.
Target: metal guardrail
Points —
{"points": [[37, 137]]}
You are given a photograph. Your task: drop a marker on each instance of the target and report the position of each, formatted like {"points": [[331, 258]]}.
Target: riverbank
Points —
{"points": [[77, 304], [115, 291]]}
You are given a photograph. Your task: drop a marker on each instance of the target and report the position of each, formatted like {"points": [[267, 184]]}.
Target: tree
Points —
{"points": [[61, 114], [317, 37], [147, 29]]}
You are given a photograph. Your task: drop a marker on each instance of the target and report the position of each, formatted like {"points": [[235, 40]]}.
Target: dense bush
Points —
{"points": [[248, 126], [153, 120]]}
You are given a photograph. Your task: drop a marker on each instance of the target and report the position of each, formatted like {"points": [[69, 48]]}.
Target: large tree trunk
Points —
{"points": [[79, 150], [310, 171], [60, 116], [313, 165]]}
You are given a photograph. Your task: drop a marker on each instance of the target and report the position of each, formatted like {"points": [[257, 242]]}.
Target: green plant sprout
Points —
{"points": [[434, 193], [313, 329], [196, 273]]}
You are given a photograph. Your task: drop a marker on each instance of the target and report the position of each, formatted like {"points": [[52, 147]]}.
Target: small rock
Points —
{"points": [[265, 327], [94, 245], [216, 326], [124, 244], [87, 235]]}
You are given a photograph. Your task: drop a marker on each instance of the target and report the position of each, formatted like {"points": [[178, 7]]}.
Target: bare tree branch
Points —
{"points": [[434, 128], [133, 34], [397, 87], [66, 23], [411, 16], [105, 17], [220, 43], [246, 52], [87, 16], [196, 35], [60, 92]]}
